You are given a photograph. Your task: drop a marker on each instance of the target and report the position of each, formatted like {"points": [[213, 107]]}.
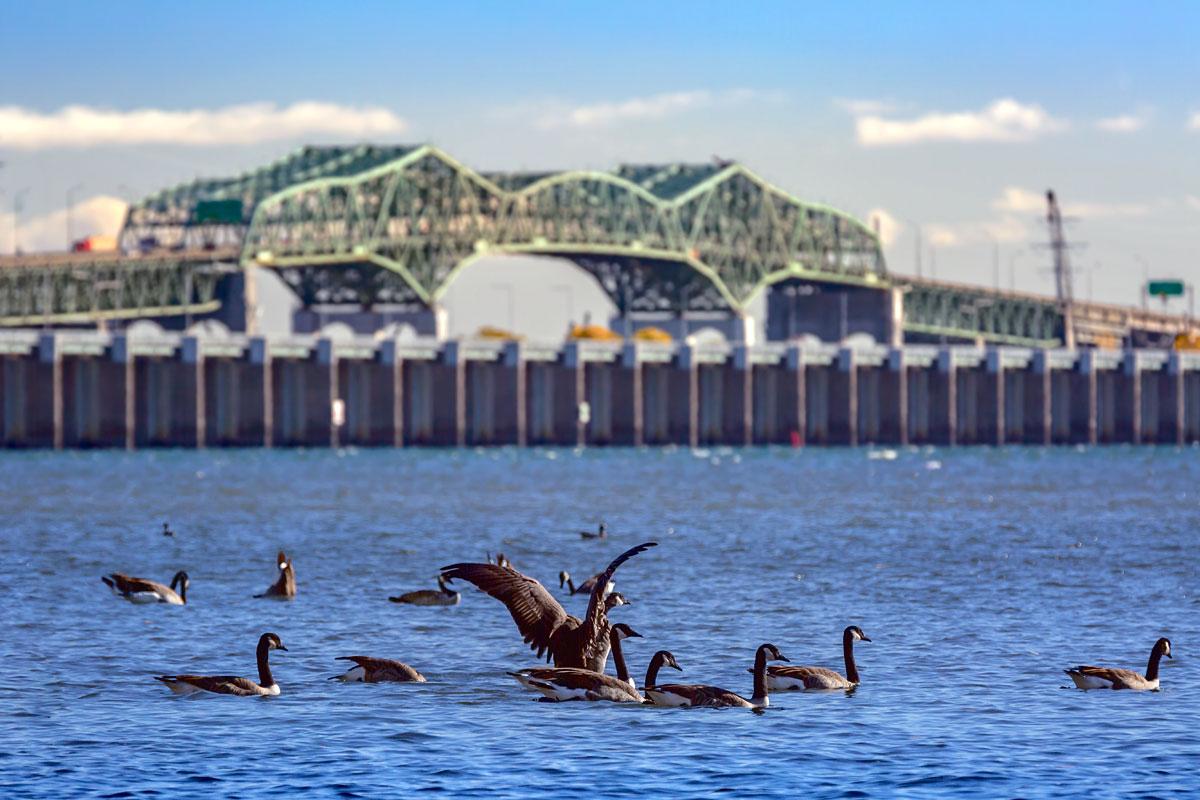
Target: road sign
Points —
{"points": [[1169, 288]]}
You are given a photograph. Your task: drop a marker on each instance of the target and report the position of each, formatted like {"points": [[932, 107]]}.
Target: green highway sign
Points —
{"points": [[1165, 288]]}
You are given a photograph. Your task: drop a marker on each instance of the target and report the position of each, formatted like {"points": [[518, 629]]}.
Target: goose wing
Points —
{"points": [[595, 620], [129, 585], [812, 677], [537, 614], [218, 684], [387, 668], [701, 695], [1119, 678], [416, 597], [579, 679]]}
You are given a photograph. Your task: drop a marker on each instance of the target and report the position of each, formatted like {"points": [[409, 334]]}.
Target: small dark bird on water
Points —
{"points": [[167, 530], [600, 533]]}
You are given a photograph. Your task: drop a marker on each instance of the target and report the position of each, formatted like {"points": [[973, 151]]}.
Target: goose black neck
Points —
{"points": [[619, 657], [442, 585], [181, 581], [1152, 667], [760, 674], [264, 666], [848, 654], [571, 584], [656, 664]]}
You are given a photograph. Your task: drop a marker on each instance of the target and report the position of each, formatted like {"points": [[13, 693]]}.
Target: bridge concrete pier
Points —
{"points": [[893, 405], [843, 400], [684, 406], [371, 388]]}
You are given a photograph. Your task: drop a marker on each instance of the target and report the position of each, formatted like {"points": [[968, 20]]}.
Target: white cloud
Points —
{"points": [[888, 226], [1005, 230], [1194, 121], [1004, 120], [1015, 199], [101, 215], [1124, 123], [1193, 201], [650, 107], [84, 126]]}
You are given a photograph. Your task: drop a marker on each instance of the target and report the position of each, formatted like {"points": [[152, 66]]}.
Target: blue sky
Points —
{"points": [[948, 116]]}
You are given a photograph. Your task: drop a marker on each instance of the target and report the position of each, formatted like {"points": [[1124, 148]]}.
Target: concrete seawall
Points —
{"points": [[75, 390]]}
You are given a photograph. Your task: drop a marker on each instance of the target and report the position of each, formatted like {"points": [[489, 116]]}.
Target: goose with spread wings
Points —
{"points": [[544, 624]]}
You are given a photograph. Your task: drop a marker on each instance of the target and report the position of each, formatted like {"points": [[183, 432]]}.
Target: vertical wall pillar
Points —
{"points": [[322, 429], [794, 411], [568, 393], [511, 414], [843, 400], [44, 412], [449, 397], [387, 397], [1083, 407], [117, 388], [944, 400], [992, 422], [189, 425], [259, 398], [1129, 399], [1038, 400], [738, 398], [893, 408], [628, 412], [1172, 411], [684, 405]]}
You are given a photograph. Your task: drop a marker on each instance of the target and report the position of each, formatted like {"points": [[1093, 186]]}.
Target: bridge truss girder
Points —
{"points": [[960, 312]]}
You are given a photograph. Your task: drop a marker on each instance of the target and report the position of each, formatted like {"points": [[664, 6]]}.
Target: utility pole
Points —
{"points": [[1062, 267], [18, 207]]}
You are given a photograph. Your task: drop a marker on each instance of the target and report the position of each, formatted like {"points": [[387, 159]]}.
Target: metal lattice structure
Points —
{"points": [[957, 312], [87, 288], [657, 237]]}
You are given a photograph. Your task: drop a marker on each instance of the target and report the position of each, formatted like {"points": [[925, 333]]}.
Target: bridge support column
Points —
{"points": [[449, 396], [1038, 425], [738, 398], [169, 402], [510, 414], [44, 395], [1082, 401], [1128, 380], [843, 400], [123, 388], [944, 400], [794, 398], [628, 419], [684, 410], [992, 424], [1172, 411], [569, 386], [325, 395], [893, 406], [258, 397]]}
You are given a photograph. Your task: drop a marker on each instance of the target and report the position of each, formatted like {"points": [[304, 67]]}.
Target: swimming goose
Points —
{"points": [[613, 600], [443, 596], [599, 533], [573, 683], [1110, 678], [231, 684], [662, 658], [544, 624], [564, 579], [674, 694], [140, 590], [285, 587], [378, 670], [166, 531], [819, 678]]}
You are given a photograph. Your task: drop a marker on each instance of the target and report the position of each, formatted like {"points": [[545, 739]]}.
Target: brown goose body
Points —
{"points": [[140, 590], [565, 580], [284, 587], [1088, 677], [574, 683], [232, 684], [701, 695], [600, 533], [545, 626], [806, 678], [378, 670], [442, 596]]}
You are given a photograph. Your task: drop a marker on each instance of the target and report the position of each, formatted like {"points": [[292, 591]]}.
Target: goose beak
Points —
{"points": [[676, 666], [866, 638], [1170, 656], [782, 657], [636, 635], [281, 647]]}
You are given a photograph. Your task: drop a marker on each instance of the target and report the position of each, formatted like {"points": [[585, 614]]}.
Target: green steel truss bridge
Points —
{"points": [[395, 225]]}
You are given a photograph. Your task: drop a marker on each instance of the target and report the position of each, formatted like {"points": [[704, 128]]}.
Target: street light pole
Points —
{"points": [[70, 211], [18, 207]]}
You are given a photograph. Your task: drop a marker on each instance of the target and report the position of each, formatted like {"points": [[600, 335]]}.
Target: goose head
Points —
{"points": [[668, 660], [856, 634], [771, 652], [603, 531], [563, 577], [282, 561], [621, 631], [1163, 646], [271, 641], [166, 531], [615, 599], [441, 582]]}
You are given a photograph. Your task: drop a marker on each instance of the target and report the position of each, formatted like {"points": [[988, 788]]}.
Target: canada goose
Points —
{"points": [[231, 684], [378, 670], [564, 579], [674, 694], [443, 596], [285, 587], [818, 678], [662, 658], [573, 683], [613, 600], [140, 590], [1110, 678], [545, 626], [599, 533], [500, 560], [166, 531]]}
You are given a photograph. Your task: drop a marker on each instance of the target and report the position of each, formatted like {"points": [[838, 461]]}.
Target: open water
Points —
{"points": [[979, 574]]}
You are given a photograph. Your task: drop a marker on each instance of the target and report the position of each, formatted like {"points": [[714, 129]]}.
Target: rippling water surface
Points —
{"points": [[978, 574]]}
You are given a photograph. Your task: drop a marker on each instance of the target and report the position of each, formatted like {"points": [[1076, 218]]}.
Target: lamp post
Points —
{"points": [[70, 211], [18, 206]]}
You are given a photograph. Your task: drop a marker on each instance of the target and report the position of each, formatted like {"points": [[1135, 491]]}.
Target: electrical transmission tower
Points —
{"points": [[1063, 280]]}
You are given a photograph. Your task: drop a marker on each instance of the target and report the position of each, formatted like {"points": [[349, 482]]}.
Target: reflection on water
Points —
{"points": [[977, 582]]}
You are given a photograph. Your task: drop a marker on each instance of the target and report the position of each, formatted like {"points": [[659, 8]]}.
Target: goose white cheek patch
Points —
{"points": [[283, 565]]}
